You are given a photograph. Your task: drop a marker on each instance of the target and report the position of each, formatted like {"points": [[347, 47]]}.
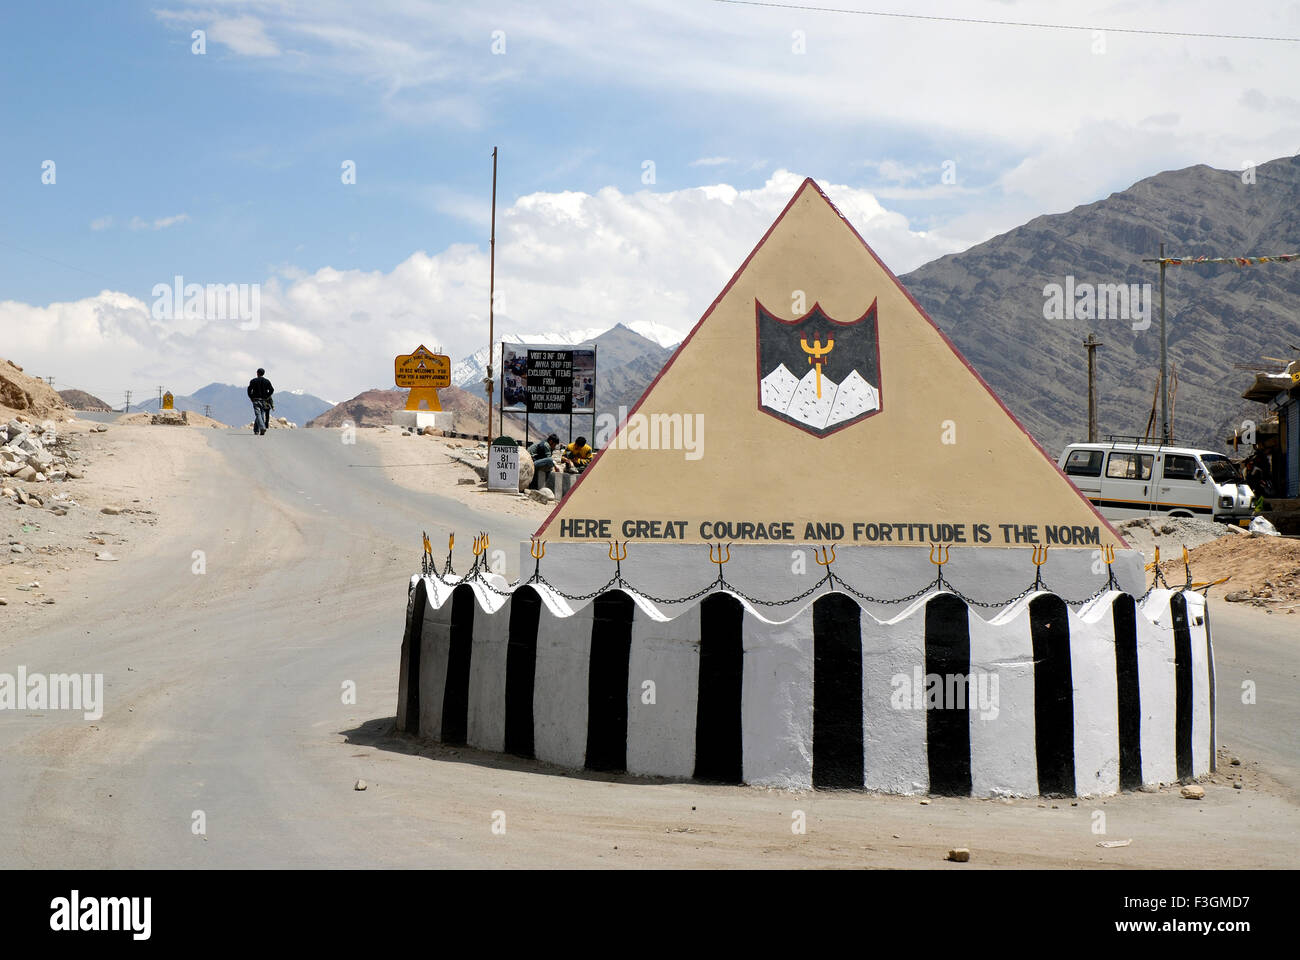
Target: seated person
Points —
{"points": [[577, 455], [543, 454]]}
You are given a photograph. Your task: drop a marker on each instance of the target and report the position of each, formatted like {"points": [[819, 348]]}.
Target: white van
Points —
{"points": [[1128, 477]]}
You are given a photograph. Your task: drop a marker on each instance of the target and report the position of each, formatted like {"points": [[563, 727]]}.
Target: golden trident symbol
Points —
{"points": [[618, 555], [1108, 554], [428, 547], [1154, 563], [943, 549], [718, 559], [824, 560], [451, 541], [1039, 558], [480, 544], [817, 356], [536, 550]]}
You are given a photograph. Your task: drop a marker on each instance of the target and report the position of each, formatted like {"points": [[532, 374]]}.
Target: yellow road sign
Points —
{"points": [[422, 368]]}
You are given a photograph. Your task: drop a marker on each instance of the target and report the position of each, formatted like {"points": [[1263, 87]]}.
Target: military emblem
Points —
{"points": [[819, 374]]}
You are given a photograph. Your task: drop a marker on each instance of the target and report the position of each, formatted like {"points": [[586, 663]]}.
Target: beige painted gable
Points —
{"points": [[879, 480]]}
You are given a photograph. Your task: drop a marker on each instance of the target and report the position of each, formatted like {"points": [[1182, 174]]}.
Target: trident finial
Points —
{"points": [[817, 356], [1039, 558], [536, 548], [825, 560], [719, 559], [614, 551], [943, 550], [1108, 554]]}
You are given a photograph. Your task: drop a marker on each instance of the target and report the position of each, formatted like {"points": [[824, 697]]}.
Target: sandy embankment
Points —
{"points": [[424, 463], [139, 470]]}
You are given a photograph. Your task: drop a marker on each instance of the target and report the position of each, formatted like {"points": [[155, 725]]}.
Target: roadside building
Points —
{"points": [[1277, 438]]}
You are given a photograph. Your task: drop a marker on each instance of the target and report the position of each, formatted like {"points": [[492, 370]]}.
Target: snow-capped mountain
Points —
{"points": [[471, 370], [781, 391]]}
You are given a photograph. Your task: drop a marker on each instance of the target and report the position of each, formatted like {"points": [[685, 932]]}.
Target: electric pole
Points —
{"points": [[1092, 343], [207, 410], [50, 381], [127, 408], [492, 275]]}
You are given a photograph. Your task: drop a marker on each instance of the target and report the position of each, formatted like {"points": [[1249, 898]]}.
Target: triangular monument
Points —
{"points": [[815, 401]]}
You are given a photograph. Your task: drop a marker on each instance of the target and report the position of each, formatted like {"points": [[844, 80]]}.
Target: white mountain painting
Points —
{"points": [[782, 392]]}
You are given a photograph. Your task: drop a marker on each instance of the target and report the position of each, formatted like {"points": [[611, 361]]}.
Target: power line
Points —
{"points": [[803, 8]]}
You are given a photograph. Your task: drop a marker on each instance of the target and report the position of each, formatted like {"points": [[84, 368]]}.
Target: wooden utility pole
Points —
{"points": [[1092, 343], [492, 295]]}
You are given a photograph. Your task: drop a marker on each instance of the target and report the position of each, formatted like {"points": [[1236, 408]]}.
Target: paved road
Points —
{"points": [[224, 695], [224, 690]]}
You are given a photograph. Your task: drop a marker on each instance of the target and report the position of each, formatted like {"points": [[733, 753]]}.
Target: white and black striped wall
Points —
{"points": [[1038, 699]]}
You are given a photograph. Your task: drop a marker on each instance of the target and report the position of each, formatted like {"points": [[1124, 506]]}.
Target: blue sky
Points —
{"points": [[225, 167]]}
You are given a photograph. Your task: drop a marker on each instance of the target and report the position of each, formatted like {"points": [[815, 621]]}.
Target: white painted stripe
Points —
{"points": [[1096, 703], [560, 688], [893, 712], [1200, 684], [776, 701], [486, 726], [433, 669], [1155, 643], [1003, 759], [661, 735]]}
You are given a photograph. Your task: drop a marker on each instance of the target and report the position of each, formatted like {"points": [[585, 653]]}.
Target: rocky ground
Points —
{"points": [[1261, 570], [103, 504], [448, 467]]}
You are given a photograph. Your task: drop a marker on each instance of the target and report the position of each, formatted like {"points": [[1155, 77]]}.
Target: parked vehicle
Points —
{"points": [[1128, 477]]}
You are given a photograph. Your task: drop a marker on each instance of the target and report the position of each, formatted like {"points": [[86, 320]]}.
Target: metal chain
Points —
{"points": [[720, 583]]}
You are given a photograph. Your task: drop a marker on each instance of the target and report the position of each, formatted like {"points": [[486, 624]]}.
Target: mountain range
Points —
{"points": [[1001, 303], [231, 406], [993, 301]]}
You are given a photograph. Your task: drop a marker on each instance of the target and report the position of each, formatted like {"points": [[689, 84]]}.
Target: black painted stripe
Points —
{"points": [[1182, 687], [611, 649], [717, 712], [1209, 665], [412, 641], [1049, 626], [1159, 509], [455, 697], [837, 693], [1124, 622], [521, 670], [947, 722]]}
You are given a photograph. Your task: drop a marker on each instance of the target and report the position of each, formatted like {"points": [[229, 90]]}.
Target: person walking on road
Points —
{"points": [[260, 392]]}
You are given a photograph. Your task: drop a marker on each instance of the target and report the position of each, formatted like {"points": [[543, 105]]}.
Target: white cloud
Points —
{"points": [[245, 36], [711, 161], [101, 223], [161, 223], [565, 261]]}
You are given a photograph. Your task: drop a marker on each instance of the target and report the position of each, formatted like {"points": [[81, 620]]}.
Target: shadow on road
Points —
{"points": [[382, 734]]}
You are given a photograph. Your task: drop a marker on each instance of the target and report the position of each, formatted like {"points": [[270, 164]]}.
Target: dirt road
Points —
{"points": [[225, 707]]}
